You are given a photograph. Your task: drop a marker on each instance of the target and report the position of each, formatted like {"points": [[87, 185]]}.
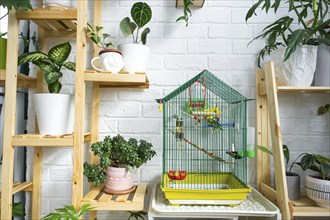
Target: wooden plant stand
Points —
{"points": [[268, 125]]}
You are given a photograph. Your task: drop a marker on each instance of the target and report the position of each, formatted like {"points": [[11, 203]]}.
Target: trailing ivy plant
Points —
{"points": [[117, 152], [186, 11], [141, 14], [281, 33], [51, 63], [68, 212], [102, 40]]}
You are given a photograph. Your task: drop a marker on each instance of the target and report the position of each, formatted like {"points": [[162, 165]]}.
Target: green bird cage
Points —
{"points": [[204, 143]]}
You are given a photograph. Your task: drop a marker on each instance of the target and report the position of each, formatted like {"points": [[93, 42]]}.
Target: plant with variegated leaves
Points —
{"points": [[68, 212], [141, 14], [51, 64]]}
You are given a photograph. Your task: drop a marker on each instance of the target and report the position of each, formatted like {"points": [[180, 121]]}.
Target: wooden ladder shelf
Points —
{"points": [[268, 125], [66, 23]]}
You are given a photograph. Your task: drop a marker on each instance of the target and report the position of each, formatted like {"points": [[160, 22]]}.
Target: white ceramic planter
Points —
{"points": [[298, 70], [56, 3], [135, 56], [322, 72], [118, 179], [55, 113], [318, 190], [111, 60]]}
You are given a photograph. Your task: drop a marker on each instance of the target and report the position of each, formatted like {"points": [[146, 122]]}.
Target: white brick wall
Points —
{"points": [[216, 39]]}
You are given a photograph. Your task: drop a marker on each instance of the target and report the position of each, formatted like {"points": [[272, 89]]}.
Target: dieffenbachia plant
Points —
{"points": [[51, 64], [141, 14]]}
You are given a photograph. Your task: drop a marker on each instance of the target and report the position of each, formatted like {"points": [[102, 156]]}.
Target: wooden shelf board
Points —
{"points": [[45, 140], [311, 89], [101, 201], [307, 207], [121, 80], [197, 3], [23, 81], [51, 19]]}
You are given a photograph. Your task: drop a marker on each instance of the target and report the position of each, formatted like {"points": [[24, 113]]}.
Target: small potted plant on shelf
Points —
{"points": [[110, 58], [117, 157], [54, 111], [292, 47], [136, 55], [68, 212], [9, 5], [292, 179], [317, 184]]}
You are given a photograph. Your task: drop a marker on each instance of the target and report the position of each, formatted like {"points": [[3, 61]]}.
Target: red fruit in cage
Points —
{"points": [[177, 174]]}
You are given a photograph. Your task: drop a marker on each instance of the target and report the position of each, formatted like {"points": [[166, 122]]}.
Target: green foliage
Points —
{"points": [[117, 152], [141, 14], [17, 209], [137, 215], [313, 31], [68, 212], [51, 64], [186, 11], [101, 40], [317, 163], [323, 109]]}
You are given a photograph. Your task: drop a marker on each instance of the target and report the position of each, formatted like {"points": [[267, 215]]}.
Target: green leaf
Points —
{"points": [[70, 65], [55, 87], [51, 77], [141, 13], [31, 57], [45, 66], [264, 149], [59, 53], [127, 27], [10, 4], [297, 38], [18, 209], [252, 10], [307, 162], [286, 153], [144, 35]]}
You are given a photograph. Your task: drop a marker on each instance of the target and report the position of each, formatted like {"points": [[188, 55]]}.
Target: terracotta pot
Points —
{"points": [[119, 179]]}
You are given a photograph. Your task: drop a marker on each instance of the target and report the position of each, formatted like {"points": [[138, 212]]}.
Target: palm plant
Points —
{"points": [[310, 31]]}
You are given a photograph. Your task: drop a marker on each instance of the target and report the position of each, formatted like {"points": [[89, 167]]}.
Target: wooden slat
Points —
{"points": [[105, 198], [117, 206], [46, 14], [311, 89], [58, 26], [276, 134], [90, 196], [303, 201], [44, 25], [115, 78], [268, 192], [21, 187], [22, 80], [122, 198], [62, 34], [262, 131], [71, 25], [197, 3], [140, 192], [310, 211]]}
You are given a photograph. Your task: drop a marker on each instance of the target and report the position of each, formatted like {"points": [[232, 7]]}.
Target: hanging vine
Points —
{"points": [[186, 11]]}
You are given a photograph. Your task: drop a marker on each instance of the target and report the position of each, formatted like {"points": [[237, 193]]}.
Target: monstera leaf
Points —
{"points": [[60, 53], [141, 13], [127, 27]]}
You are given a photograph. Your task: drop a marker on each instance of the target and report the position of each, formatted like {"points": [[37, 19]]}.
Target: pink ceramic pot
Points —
{"points": [[119, 179]]}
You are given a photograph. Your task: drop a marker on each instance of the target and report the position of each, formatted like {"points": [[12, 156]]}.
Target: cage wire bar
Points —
{"points": [[204, 145]]}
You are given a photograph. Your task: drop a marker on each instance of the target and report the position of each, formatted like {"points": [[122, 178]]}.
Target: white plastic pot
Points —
{"points": [[318, 190], [298, 70], [322, 72], [135, 56], [58, 3], [55, 113]]}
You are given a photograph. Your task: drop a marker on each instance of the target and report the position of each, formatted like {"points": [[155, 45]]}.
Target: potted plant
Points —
{"points": [[9, 5], [54, 111], [117, 157], [317, 184], [110, 58], [136, 55], [292, 179], [289, 46], [68, 212]]}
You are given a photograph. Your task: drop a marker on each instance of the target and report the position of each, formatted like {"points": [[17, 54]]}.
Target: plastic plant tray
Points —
{"points": [[254, 205]]}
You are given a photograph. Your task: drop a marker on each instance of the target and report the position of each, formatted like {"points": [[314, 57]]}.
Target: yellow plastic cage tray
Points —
{"points": [[206, 189]]}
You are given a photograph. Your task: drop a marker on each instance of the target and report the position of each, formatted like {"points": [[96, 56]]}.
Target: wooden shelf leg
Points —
{"points": [[10, 118], [276, 134], [37, 183]]}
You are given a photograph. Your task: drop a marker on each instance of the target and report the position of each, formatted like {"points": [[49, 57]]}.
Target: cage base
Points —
{"points": [[205, 202]]}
